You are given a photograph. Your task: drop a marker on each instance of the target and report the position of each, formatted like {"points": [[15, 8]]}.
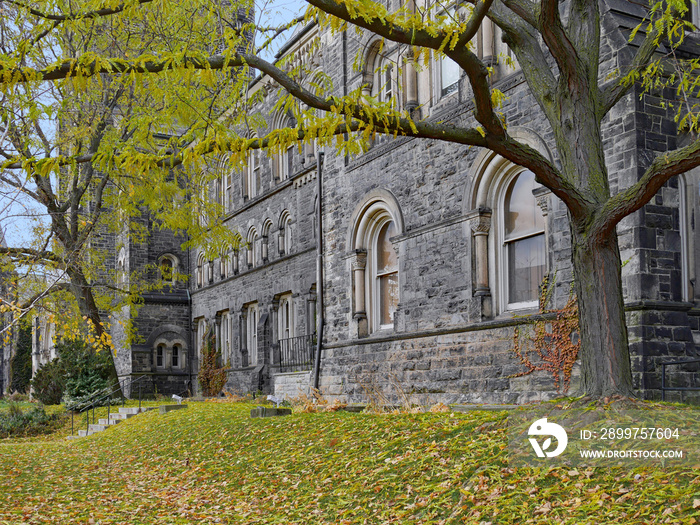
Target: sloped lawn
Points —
{"points": [[211, 463]]}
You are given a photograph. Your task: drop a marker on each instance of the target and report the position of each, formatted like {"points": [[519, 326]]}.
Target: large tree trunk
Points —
{"points": [[88, 308], [605, 360]]}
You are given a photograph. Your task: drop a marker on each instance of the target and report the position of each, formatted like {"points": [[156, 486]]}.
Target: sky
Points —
{"points": [[15, 210]]}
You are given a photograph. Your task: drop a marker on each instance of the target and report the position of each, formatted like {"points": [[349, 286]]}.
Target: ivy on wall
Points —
{"points": [[550, 342]]}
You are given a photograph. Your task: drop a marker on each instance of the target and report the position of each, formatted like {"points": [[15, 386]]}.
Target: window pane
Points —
{"points": [[522, 214], [525, 269], [449, 75], [159, 356], [290, 161], [388, 297], [176, 357], [386, 255]]}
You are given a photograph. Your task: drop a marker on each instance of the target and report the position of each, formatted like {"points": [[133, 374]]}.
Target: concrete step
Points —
{"points": [[114, 418], [120, 417], [134, 410]]}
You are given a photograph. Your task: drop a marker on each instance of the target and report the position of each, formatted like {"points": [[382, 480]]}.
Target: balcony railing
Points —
{"points": [[296, 354]]}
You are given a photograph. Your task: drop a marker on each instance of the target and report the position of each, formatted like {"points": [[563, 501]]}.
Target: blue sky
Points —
{"points": [[15, 211]]}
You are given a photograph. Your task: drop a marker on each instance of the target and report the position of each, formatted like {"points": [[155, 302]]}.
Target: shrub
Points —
{"points": [[29, 423], [14, 408], [48, 383]]}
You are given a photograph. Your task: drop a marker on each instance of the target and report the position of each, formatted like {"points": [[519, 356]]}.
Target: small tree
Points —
{"points": [[211, 377], [48, 383], [77, 373]]}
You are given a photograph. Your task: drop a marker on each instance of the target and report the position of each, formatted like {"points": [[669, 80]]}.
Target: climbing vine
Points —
{"points": [[211, 378], [552, 341]]}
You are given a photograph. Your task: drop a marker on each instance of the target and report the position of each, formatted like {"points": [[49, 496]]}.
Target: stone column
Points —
{"points": [[480, 223], [487, 42], [412, 85], [359, 264], [235, 262], [542, 197], [217, 333], [280, 241]]}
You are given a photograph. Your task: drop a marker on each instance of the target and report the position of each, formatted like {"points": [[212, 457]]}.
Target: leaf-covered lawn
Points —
{"points": [[212, 463]]}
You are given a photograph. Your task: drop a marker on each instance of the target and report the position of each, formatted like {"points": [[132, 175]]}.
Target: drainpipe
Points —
{"points": [[319, 269], [190, 350]]}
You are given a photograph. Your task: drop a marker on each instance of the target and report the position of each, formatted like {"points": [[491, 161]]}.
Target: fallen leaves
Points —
{"points": [[212, 464]]}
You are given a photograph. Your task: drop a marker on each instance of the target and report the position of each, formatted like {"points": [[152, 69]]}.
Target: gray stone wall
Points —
{"points": [[448, 343]]}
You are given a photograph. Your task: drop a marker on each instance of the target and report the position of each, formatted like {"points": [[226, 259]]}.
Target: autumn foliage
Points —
{"points": [[550, 343], [212, 464], [211, 377]]}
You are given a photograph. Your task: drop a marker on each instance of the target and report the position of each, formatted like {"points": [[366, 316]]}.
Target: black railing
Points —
{"points": [[98, 398], [665, 388], [296, 354]]}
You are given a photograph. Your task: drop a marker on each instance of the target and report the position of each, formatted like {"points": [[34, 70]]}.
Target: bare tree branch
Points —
{"points": [[615, 89], [663, 168]]}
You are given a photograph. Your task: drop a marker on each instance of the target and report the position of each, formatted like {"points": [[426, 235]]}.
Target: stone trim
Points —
{"points": [[504, 323], [249, 271]]}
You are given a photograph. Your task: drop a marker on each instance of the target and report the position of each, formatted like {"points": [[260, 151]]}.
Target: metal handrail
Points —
{"points": [[664, 388], [91, 402]]}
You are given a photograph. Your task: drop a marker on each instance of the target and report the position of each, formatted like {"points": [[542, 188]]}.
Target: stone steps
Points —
{"points": [[114, 418]]}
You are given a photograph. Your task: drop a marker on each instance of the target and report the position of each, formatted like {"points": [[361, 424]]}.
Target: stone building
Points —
{"points": [[433, 252]]}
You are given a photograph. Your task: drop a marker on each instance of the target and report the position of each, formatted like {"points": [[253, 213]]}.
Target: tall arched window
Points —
{"points": [[385, 274], [223, 262], [523, 243], [252, 251], [264, 243], [284, 239], [200, 334], [285, 317], [689, 186], [200, 270], [507, 211], [283, 161], [375, 268], [252, 179], [252, 318]]}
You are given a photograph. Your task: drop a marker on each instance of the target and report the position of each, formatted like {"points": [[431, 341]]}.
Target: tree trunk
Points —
{"points": [[88, 308], [605, 360]]}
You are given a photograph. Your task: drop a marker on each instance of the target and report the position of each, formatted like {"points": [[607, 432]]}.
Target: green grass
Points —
{"points": [[212, 463]]}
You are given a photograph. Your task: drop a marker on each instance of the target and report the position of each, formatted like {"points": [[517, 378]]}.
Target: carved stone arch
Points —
{"points": [[483, 202], [372, 50], [379, 197], [488, 165], [374, 222], [169, 331]]}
